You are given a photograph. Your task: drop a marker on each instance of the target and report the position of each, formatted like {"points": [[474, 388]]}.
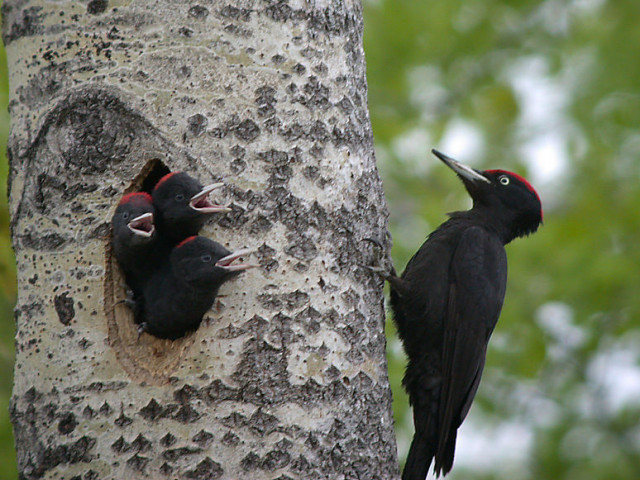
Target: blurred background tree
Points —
{"points": [[7, 288], [549, 89]]}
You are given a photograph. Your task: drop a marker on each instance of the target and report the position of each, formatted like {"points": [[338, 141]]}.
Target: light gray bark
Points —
{"points": [[287, 378]]}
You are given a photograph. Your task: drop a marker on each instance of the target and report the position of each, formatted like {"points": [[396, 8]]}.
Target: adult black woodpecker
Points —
{"points": [[180, 293], [446, 304], [183, 206], [134, 241]]}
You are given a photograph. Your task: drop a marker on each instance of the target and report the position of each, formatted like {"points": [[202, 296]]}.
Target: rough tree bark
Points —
{"points": [[287, 378]]}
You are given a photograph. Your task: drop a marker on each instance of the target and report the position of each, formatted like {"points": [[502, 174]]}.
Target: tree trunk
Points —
{"points": [[287, 377]]}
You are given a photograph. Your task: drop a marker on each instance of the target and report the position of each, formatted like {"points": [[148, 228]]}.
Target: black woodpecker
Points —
{"points": [[446, 304]]}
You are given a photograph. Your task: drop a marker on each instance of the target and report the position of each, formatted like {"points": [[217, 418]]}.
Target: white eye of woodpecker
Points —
{"points": [[504, 180]]}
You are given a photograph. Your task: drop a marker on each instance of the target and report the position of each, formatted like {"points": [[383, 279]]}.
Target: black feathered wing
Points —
{"points": [[478, 274]]}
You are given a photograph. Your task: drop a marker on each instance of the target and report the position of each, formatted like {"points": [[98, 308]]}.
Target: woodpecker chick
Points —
{"points": [[183, 206], [134, 241], [446, 304], [182, 291]]}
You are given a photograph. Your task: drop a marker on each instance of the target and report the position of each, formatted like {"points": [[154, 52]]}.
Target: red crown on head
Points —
{"points": [[186, 240], [130, 196], [164, 179], [524, 181]]}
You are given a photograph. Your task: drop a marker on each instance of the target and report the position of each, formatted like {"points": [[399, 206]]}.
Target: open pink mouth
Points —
{"points": [[225, 262], [203, 204], [142, 225]]}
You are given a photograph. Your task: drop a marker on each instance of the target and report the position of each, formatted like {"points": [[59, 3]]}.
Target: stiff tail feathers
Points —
{"points": [[444, 455], [421, 454], [428, 445], [419, 459]]}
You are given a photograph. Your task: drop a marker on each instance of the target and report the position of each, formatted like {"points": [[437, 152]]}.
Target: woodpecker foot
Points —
{"points": [[135, 304], [375, 241], [129, 300], [142, 327], [387, 272], [378, 270]]}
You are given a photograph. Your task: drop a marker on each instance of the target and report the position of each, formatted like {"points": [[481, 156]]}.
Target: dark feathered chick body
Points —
{"points": [[183, 206], [135, 240], [171, 284], [446, 304], [180, 293]]}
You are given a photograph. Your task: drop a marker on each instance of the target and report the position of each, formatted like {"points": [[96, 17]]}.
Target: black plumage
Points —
{"points": [[182, 206], [184, 288], [446, 304], [134, 242]]}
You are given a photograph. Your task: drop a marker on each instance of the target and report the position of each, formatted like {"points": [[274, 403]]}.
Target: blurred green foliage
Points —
{"points": [[550, 90], [7, 288], [518, 76]]}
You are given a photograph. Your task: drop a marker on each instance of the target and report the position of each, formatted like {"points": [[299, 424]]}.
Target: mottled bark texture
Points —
{"points": [[287, 378]]}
